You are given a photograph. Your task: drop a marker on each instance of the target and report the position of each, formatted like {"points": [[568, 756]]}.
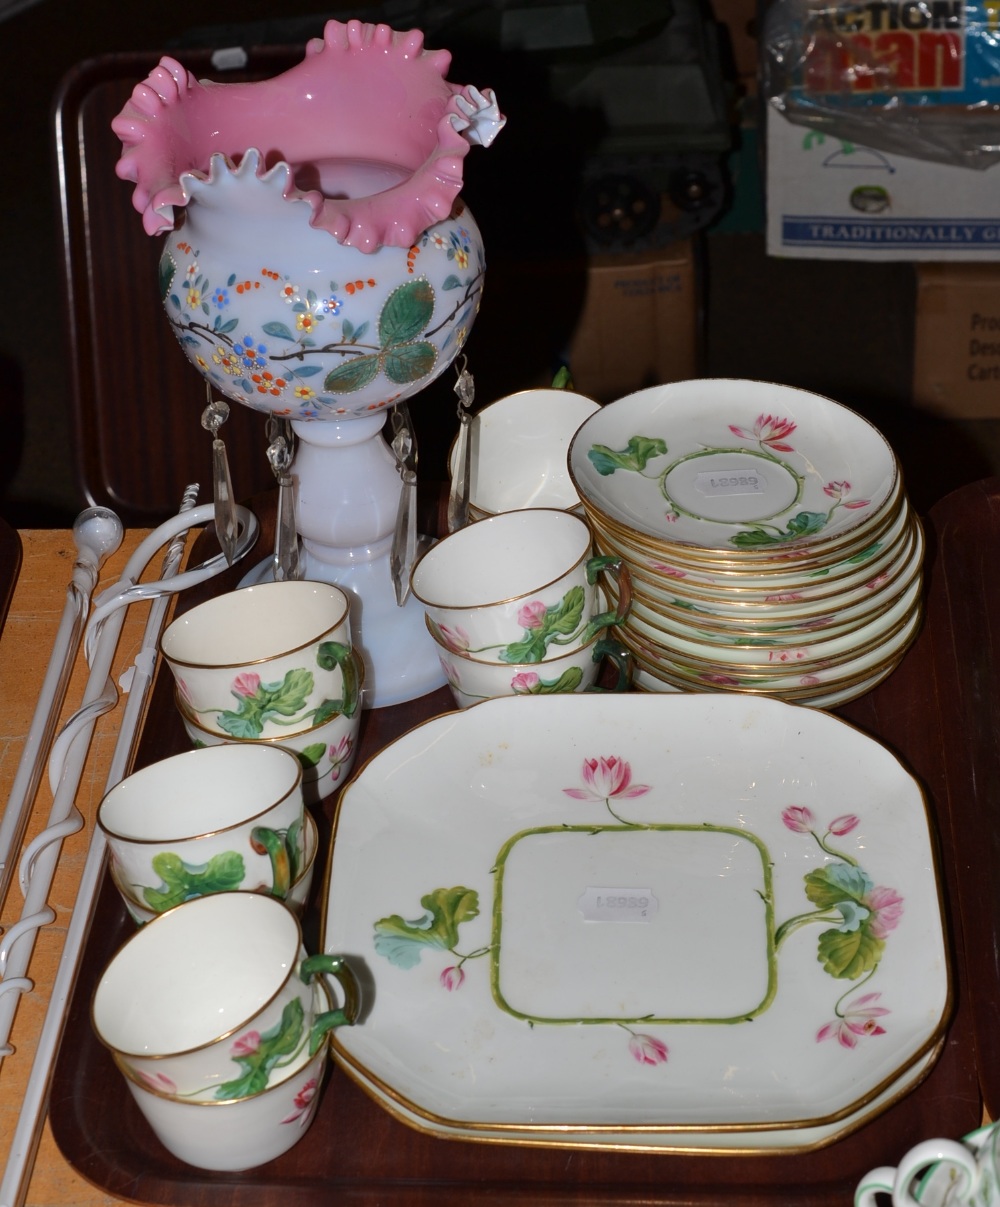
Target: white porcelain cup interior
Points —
{"points": [[254, 624], [196, 974], [501, 558], [201, 792], [205, 987], [519, 448]]}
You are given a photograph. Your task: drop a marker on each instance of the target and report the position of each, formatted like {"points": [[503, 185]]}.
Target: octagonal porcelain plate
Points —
{"points": [[746, 467], [638, 913], [773, 1141]]}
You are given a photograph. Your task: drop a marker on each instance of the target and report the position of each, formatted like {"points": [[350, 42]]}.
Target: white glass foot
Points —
{"points": [[347, 494]]}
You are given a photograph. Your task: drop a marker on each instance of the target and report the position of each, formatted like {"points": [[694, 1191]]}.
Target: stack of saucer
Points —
{"points": [[769, 537]]}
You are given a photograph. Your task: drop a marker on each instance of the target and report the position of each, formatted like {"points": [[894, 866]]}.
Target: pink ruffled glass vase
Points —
{"points": [[320, 265]]}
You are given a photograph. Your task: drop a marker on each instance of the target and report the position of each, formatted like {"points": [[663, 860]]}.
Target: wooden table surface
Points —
{"points": [[940, 711]]}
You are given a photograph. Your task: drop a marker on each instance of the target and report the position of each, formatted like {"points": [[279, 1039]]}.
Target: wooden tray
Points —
{"points": [[355, 1153], [10, 566]]}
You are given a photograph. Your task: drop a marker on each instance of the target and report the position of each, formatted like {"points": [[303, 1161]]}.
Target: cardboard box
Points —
{"points": [[956, 370], [828, 199], [638, 323], [619, 322]]}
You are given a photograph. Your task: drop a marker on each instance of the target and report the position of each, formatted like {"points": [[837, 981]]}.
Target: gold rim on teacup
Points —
{"points": [[272, 739], [321, 1052], [492, 664], [483, 432], [478, 605], [169, 838], [220, 602], [352, 1004], [311, 850], [141, 937]]}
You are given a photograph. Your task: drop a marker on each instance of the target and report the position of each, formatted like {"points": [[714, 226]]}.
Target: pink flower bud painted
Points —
{"points": [[246, 684], [799, 818], [247, 1044], [524, 682], [843, 825], [452, 978], [454, 638], [648, 1050], [532, 615]]}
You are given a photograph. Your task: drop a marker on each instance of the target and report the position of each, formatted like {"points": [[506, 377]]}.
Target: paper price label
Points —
{"points": [[730, 482], [618, 904]]}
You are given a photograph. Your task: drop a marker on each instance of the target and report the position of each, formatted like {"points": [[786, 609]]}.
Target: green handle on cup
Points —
{"points": [[346, 1015], [607, 647], [623, 580]]}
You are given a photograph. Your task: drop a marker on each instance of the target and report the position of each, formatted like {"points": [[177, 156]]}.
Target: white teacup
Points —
{"points": [[264, 660], [239, 1133], [297, 897], [521, 587], [471, 680], [225, 817], [214, 999], [326, 750], [938, 1172], [519, 451]]}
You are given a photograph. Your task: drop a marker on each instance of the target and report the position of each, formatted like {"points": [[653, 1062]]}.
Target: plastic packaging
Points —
{"points": [[911, 77]]}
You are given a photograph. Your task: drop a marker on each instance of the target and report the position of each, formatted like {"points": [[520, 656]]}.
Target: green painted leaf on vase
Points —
{"points": [[406, 313], [166, 271], [409, 362], [352, 375], [279, 331]]}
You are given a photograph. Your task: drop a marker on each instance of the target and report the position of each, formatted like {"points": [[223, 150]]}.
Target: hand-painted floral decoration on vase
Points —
{"points": [[319, 262]]}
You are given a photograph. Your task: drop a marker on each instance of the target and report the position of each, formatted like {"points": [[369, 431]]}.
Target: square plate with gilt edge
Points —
{"points": [[660, 913]]}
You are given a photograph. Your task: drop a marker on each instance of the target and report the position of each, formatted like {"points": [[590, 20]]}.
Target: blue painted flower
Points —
{"points": [[253, 355]]}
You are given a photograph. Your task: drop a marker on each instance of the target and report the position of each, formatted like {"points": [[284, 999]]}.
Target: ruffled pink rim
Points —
{"points": [[359, 86]]}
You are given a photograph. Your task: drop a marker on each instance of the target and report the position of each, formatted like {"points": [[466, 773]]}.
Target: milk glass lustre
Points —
{"points": [[320, 265]]}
